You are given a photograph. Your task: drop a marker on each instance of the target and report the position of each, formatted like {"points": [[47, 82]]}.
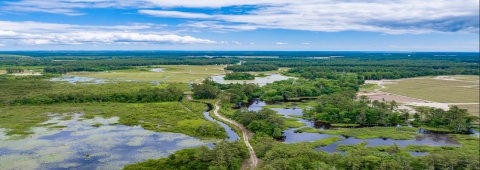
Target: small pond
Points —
{"points": [[79, 145], [78, 79], [157, 70], [261, 81], [431, 139]]}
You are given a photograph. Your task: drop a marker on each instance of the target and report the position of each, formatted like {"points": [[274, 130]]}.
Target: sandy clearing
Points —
{"points": [[409, 101]]}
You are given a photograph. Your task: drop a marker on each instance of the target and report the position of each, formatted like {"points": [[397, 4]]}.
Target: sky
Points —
{"points": [[298, 25]]}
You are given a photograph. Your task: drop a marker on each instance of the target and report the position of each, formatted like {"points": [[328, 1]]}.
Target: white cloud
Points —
{"points": [[37, 33], [236, 42], [390, 17], [174, 14], [281, 43], [306, 43], [2, 45], [252, 43], [102, 37]]}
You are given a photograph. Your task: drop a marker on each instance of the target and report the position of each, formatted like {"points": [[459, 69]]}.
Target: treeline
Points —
{"points": [[265, 122], [454, 119], [293, 88], [278, 90], [256, 67], [239, 76], [381, 72], [223, 156], [31, 90], [63, 70], [14, 70], [341, 108], [93, 63], [276, 156]]}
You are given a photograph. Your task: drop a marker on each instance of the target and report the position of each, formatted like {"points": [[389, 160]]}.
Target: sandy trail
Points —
{"points": [[253, 157]]}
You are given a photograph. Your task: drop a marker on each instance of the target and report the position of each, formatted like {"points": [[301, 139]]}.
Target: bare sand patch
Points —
{"points": [[390, 97]]}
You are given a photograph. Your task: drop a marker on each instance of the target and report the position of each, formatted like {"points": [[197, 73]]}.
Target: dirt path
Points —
{"points": [[253, 157]]}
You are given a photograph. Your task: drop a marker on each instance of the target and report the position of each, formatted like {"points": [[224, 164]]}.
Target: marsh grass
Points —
{"points": [[343, 147], [344, 125], [365, 133], [436, 129], [159, 117], [301, 105], [436, 90], [293, 123], [171, 73]]}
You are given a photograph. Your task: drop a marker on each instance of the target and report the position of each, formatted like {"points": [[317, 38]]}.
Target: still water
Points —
{"points": [[431, 139], [79, 145]]}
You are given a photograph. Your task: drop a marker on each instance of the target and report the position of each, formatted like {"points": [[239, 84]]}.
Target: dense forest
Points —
{"points": [[370, 66], [224, 156], [239, 76], [264, 122], [256, 67], [382, 72]]}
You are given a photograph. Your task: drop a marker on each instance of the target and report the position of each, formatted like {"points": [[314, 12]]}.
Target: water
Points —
{"points": [[157, 70], [261, 81], [430, 139], [232, 136], [77, 79], [82, 146]]}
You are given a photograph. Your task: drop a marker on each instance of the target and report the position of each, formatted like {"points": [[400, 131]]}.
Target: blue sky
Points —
{"points": [[324, 25]]}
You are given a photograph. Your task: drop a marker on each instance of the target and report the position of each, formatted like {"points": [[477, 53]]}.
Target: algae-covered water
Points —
{"points": [[76, 144]]}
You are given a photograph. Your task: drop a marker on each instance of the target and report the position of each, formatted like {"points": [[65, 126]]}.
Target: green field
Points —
{"points": [[170, 74], [473, 109], [438, 90], [368, 88]]}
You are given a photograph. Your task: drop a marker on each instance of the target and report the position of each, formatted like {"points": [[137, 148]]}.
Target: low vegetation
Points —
{"points": [[437, 90], [224, 155], [265, 121], [367, 133], [161, 117], [239, 76]]}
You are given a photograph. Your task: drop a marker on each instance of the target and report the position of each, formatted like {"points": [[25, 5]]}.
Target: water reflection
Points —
{"points": [[232, 136], [77, 79], [428, 137], [81, 146]]}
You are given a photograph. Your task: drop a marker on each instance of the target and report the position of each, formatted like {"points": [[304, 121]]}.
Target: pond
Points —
{"points": [[261, 81], [79, 145], [429, 138], [78, 79], [157, 70]]}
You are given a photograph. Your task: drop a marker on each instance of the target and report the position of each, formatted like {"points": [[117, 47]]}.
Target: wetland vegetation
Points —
{"points": [[142, 107]]}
